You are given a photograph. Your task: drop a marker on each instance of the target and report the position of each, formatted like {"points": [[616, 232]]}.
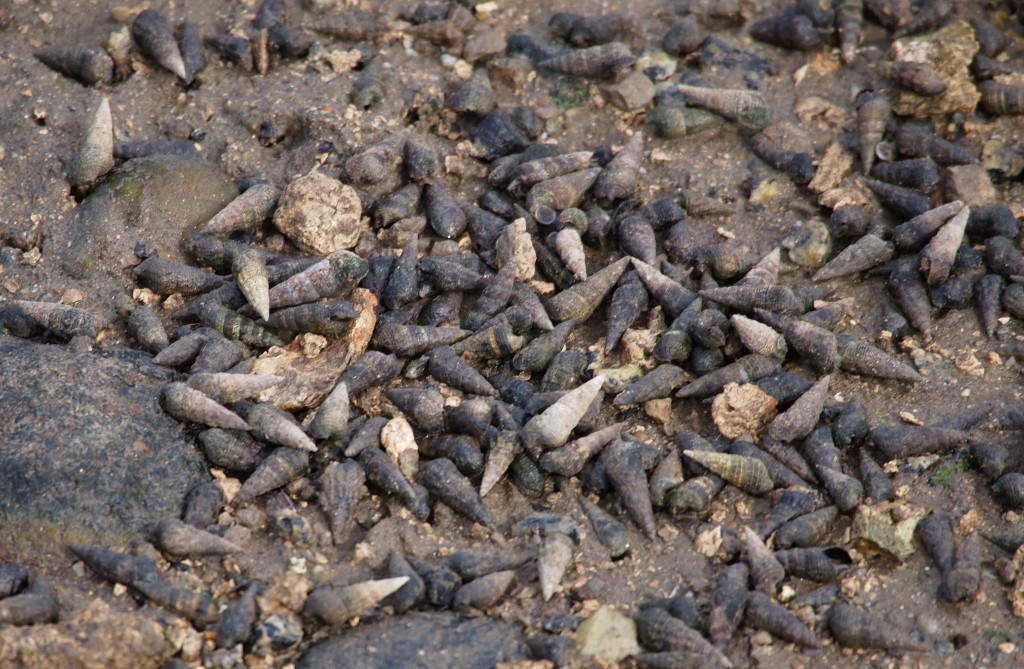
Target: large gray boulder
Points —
{"points": [[86, 453], [419, 641]]}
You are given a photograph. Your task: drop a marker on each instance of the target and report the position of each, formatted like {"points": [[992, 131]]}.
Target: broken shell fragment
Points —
{"points": [[742, 411], [399, 443]]}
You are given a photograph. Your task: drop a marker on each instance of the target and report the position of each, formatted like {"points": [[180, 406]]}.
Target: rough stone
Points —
{"points": [[96, 637], [484, 45], [515, 245], [320, 215], [742, 411], [633, 92], [155, 201], [950, 50], [419, 641], [969, 183], [607, 634], [886, 528], [86, 452]]}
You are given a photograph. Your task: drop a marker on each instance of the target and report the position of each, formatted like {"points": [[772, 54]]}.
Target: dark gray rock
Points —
{"points": [[86, 452], [419, 641]]}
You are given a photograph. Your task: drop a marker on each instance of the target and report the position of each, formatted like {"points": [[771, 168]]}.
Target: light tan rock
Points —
{"points": [[742, 410], [320, 215]]}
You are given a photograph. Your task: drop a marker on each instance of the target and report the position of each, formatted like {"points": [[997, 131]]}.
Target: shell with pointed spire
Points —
{"points": [[553, 427]]}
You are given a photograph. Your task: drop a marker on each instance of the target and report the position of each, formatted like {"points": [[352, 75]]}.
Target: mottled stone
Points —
{"points": [[155, 201], [419, 641], [809, 245], [633, 92], [86, 453], [950, 50], [484, 44]]}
